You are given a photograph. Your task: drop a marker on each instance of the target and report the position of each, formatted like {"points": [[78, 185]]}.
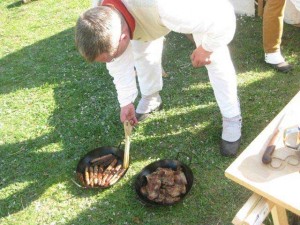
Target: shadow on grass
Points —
{"points": [[19, 4], [86, 117], [55, 61], [15, 4]]}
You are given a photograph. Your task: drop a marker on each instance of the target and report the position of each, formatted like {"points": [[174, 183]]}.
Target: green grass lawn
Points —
{"points": [[55, 107]]}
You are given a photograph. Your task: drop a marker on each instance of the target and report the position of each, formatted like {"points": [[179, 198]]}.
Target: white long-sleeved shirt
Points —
{"points": [[212, 23]]}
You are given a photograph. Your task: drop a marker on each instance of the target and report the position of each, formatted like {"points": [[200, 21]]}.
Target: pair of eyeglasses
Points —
{"points": [[278, 163], [291, 137]]}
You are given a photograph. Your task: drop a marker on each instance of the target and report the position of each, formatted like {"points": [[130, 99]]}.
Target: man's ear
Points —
{"points": [[125, 33], [123, 36]]}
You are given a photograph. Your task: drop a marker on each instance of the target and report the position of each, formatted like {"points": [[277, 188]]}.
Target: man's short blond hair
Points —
{"points": [[98, 31]]}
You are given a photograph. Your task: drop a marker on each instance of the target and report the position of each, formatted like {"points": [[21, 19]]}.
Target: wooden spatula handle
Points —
{"points": [[127, 130]]}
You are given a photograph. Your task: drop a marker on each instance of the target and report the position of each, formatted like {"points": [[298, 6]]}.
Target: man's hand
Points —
{"points": [[200, 57], [128, 113]]}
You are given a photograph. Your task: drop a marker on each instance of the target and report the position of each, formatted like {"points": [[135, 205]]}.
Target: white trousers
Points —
{"points": [[147, 62], [221, 73], [222, 77]]}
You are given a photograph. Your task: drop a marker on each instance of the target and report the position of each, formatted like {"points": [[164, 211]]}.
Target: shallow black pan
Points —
{"points": [[141, 179], [85, 161]]}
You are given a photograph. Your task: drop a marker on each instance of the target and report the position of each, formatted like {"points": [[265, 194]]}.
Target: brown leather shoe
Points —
{"points": [[282, 67]]}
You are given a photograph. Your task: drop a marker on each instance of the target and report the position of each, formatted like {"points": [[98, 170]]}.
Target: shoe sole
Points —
{"points": [[141, 117], [282, 67]]}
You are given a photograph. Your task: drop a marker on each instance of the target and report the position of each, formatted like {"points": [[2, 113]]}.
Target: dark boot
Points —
{"points": [[231, 136], [230, 149], [283, 67]]}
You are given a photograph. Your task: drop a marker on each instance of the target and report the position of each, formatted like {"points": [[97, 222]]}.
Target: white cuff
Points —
{"points": [[274, 58], [127, 100]]}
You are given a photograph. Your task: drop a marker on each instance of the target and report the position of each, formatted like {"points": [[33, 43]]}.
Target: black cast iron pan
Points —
{"points": [[141, 179], [86, 161]]}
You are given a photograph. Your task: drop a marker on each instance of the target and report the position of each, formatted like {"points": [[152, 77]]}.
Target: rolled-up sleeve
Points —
{"points": [[124, 78]]}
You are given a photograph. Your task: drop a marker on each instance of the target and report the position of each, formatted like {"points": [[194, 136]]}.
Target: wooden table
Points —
{"points": [[280, 187]]}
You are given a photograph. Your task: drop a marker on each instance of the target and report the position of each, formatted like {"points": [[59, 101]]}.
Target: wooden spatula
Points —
{"points": [[128, 130]]}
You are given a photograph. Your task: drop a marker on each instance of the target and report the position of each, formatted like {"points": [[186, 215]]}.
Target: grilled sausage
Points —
{"points": [[91, 170], [103, 160], [113, 171], [111, 166], [107, 172], [104, 179], [87, 176], [81, 177], [100, 175], [95, 175], [117, 176]]}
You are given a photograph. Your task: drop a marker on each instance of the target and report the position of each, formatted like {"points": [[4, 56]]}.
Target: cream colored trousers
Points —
{"points": [[221, 73]]}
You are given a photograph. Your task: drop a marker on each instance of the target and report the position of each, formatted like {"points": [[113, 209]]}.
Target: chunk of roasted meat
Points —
{"points": [[165, 185], [154, 184]]}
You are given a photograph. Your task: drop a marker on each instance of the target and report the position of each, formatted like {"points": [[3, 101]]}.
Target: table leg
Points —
{"points": [[279, 216]]}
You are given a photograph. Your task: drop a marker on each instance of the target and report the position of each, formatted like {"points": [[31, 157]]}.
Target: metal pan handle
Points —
{"points": [[78, 185]]}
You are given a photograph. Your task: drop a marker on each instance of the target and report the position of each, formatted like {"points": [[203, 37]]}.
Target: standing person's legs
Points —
{"points": [[273, 25], [147, 57], [272, 34], [222, 76]]}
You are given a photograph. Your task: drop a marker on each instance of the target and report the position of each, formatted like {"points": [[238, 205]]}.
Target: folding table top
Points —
{"points": [[278, 181]]}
